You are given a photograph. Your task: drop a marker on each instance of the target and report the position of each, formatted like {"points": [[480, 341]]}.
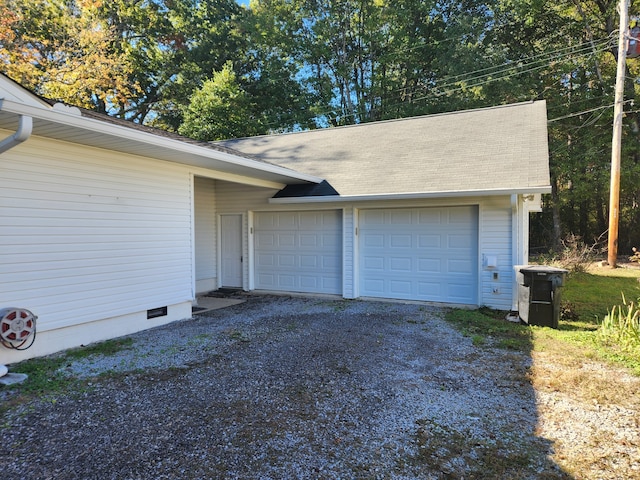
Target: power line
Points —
{"points": [[486, 75], [537, 62]]}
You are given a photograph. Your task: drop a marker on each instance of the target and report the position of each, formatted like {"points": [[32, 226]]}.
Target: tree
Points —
{"points": [[61, 50], [220, 109]]}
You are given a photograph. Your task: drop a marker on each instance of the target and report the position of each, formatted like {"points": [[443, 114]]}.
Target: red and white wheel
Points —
{"points": [[16, 325]]}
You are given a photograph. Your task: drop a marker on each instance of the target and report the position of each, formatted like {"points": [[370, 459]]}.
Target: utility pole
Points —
{"points": [[616, 143]]}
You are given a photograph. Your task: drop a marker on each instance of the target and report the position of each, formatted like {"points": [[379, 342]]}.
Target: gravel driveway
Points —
{"points": [[288, 388]]}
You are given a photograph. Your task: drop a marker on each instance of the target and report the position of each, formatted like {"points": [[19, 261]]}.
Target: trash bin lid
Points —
{"points": [[542, 270]]}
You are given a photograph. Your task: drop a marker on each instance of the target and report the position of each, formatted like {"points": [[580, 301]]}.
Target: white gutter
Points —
{"points": [[412, 196], [69, 118], [25, 127]]}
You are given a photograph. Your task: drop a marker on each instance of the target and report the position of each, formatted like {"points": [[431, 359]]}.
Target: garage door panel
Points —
{"points": [[306, 255], [429, 217], [399, 241], [401, 217], [460, 266], [286, 240], [373, 263], [459, 292], [429, 265], [419, 253], [460, 216], [429, 241], [265, 260], [400, 287], [332, 241], [265, 240], [429, 289], [266, 279], [286, 261], [374, 287], [400, 264], [459, 241], [309, 241], [309, 282], [308, 261], [332, 263]]}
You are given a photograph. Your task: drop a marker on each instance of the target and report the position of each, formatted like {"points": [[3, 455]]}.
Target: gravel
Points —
{"points": [[288, 387]]}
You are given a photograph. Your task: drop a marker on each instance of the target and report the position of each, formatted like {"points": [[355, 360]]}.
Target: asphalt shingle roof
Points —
{"points": [[501, 147]]}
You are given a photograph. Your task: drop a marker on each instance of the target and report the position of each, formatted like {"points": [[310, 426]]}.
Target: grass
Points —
{"points": [[587, 299], [46, 376], [486, 326], [582, 362], [589, 296]]}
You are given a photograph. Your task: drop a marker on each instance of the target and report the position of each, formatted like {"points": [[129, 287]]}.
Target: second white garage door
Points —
{"points": [[299, 251], [420, 254]]}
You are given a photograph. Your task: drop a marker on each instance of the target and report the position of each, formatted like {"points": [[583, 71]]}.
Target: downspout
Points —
{"points": [[515, 248], [25, 126]]}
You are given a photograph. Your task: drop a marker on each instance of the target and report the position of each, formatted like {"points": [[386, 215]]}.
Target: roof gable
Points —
{"points": [[10, 90], [500, 148]]}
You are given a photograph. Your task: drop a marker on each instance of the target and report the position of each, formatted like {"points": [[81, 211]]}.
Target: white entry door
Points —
{"points": [[231, 251], [420, 254]]}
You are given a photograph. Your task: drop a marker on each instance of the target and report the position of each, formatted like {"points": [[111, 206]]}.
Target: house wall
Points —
{"points": [[495, 234], [204, 206], [91, 237]]}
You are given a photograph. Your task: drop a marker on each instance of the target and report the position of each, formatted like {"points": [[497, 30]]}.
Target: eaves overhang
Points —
{"points": [[68, 124], [414, 195]]}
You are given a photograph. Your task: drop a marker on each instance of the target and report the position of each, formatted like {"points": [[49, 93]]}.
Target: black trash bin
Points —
{"points": [[539, 294]]}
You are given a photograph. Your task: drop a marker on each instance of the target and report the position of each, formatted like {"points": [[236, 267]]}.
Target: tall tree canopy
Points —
{"points": [[212, 69]]}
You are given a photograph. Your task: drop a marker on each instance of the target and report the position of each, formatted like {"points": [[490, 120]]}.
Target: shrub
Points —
{"points": [[575, 255]]}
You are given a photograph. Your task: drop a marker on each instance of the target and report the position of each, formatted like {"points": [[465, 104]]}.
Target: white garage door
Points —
{"points": [[299, 251], [419, 254]]}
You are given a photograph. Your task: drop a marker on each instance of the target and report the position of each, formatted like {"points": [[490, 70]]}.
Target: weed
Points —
{"points": [[46, 375], [484, 329], [621, 327], [236, 335], [108, 347], [459, 455]]}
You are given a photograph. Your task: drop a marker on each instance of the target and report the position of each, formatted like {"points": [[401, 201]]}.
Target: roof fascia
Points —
{"points": [[17, 91], [67, 117], [414, 196]]}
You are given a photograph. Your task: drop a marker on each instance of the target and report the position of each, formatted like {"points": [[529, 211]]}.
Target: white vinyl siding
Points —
{"points": [[496, 238], [89, 234], [237, 198], [299, 251], [420, 254], [205, 234]]}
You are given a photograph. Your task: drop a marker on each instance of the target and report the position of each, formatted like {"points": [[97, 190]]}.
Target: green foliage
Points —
{"points": [[219, 110], [303, 64], [46, 375], [595, 327], [591, 295], [620, 328], [488, 327]]}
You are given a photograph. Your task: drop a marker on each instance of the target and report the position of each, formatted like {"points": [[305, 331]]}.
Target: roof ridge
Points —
{"points": [[380, 122]]}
